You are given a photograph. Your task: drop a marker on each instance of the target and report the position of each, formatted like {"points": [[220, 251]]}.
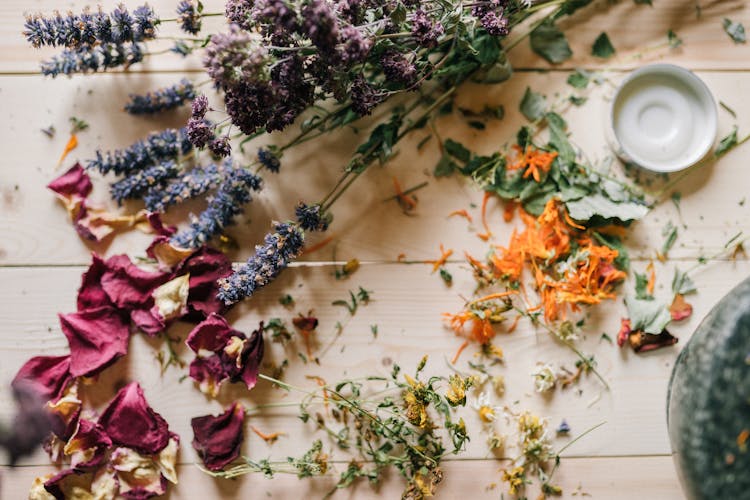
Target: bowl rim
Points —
{"points": [[707, 101]]}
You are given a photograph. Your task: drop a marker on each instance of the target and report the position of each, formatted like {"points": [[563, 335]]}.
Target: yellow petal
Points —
{"points": [[171, 297], [167, 460]]}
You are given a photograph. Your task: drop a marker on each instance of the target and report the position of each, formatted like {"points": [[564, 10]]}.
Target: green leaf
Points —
{"points": [[558, 139], [623, 259], [497, 72], [570, 6], [682, 283], [488, 49], [649, 316], [598, 205], [674, 40], [670, 234], [457, 150], [603, 47], [643, 2], [580, 79], [445, 167], [549, 42], [577, 101], [533, 105], [641, 287], [735, 30], [726, 144]]}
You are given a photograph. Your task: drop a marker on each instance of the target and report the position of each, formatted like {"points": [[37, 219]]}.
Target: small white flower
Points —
{"points": [[483, 405], [544, 377]]}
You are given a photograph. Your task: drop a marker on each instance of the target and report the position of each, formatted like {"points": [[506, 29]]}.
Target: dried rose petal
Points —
{"points": [[154, 219], [212, 334], [205, 266], [252, 356], [129, 421], [624, 333], [73, 183], [170, 299], [72, 485], [96, 224], [148, 322], [167, 255], [67, 409], [91, 294], [217, 439], [644, 342], [88, 446], [680, 309], [97, 337], [48, 376], [127, 285], [209, 372]]}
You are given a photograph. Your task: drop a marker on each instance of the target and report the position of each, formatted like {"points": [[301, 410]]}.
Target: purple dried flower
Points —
{"points": [[239, 12], [228, 201], [220, 146], [249, 105], [181, 48], [278, 249], [364, 96], [320, 25], [87, 59], [398, 68], [292, 93], [234, 57], [351, 11], [162, 99], [122, 25], [269, 160], [187, 185], [189, 17], [425, 30], [156, 148], [311, 218], [200, 131], [139, 182], [278, 20], [200, 107], [144, 23], [355, 47], [491, 16]]}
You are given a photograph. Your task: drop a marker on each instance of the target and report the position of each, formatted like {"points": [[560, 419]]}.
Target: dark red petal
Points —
{"points": [[252, 356], [97, 338], [644, 342], [129, 286], [154, 218], [74, 182], [148, 321], [48, 376], [143, 493], [209, 372], [211, 334], [88, 435], [55, 484], [91, 294], [206, 266], [131, 422], [217, 440]]}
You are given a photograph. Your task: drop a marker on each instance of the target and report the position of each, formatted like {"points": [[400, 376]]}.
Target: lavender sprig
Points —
{"points": [[87, 59], [269, 160], [78, 30], [188, 15], [137, 183], [278, 250], [187, 185], [156, 148], [228, 201], [162, 99]]}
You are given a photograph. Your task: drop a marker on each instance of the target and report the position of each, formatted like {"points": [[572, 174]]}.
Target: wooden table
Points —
{"points": [[41, 258]]}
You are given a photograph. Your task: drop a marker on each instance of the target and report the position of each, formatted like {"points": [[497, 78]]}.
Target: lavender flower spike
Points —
{"points": [[187, 185], [156, 148], [189, 17], [139, 182], [162, 99], [278, 250], [233, 193], [87, 59]]}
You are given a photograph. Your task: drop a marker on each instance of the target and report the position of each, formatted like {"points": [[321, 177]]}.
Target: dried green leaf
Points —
{"points": [[549, 41], [726, 144], [649, 316], [603, 47], [533, 105], [580, 79], [598, 205], [735, 30]]}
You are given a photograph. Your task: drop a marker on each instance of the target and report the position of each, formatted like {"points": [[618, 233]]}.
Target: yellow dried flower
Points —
{"points": [[515, 479]]}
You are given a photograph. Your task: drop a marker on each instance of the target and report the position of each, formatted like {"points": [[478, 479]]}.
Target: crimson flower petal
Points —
{"points": [[132, 423], [205, 266], [209, 372], [218, 439], [624, 333], [154, 218], [88, 445], [212, 334], [127, 285], [680, 309], [97, 338], [91, 294], [252, 356], [148, 321], [645, 342], [48, 376], [73, 183]]}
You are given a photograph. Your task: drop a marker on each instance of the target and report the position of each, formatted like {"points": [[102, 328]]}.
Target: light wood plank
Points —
{"points": [[37, 230], [409, 325], [596, 478]]}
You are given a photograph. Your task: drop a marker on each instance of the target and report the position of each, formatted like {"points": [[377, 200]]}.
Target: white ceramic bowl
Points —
{"points": [[663, 118]]}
